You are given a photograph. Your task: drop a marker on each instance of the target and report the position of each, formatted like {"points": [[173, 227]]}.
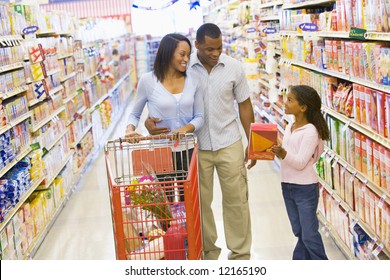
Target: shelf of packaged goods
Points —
{"points": [[323, 34], [362, 177], [17, 158], [10, 40], [91, 76], [15, 122], [71, 97], [336, 74], [109, 93], [380, 36], [270, 4], [55, 90], [79, 172], [339, 242], [57, 139], [74, 144], [64, 55], [351, 123], [38, 239], [12, 66], [66, 33], [53, 72], [67, 77], [13, 92], [370, 84], [277, 109], [33, 102], [22, 199], [278, 52], [45, 121], [307, 4], [269, 18], [46, 33], [49, 181]]}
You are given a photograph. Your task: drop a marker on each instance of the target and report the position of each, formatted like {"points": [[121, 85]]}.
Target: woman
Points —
{"points": [[171, 94]]}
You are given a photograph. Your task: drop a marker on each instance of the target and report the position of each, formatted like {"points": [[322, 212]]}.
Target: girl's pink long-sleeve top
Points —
{"points": [[304, 147]]}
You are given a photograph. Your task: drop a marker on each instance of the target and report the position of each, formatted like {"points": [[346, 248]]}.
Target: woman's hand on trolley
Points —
{"points": [[150, 124], [132, 135]]}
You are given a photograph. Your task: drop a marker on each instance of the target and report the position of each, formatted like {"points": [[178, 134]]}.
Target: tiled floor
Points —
{"points": [[83, 231]]}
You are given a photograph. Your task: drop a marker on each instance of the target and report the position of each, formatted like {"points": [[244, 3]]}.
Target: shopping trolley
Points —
{"points": [[154, 197]]}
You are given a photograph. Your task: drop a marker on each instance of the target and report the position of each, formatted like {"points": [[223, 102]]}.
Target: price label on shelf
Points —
{"points": [[352, 178], [377, 250], [372, 243], [353, 224], [330, 158], [381, 201], [345, 127], [335, 162]]}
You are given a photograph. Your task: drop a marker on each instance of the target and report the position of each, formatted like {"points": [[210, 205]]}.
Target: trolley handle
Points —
{"points": [[137, 139]]}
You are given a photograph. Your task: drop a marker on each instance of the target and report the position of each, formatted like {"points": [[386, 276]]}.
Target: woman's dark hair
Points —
{"points": [[166, 49], [308, 96], [208, 29]]}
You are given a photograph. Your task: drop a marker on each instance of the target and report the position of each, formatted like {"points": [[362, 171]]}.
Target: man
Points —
{"points": [[220, 146]]}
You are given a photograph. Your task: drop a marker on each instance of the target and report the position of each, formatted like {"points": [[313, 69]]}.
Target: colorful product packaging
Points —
{"points": [[262, 138]]}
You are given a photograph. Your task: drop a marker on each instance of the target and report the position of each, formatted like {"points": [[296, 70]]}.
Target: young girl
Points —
{"points": [[301, 148]]}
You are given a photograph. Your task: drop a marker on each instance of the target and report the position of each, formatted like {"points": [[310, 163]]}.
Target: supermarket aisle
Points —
{"points": [[83, 231]]}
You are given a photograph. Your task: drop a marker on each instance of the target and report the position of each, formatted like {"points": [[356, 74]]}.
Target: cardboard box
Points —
{"points": [[262, 138]]}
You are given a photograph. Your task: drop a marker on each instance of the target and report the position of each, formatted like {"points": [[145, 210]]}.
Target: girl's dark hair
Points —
{"points": [[166, 49], [208, 29], [308, 96]]}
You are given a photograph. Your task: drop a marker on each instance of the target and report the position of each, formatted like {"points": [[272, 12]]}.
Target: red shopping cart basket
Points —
{"points": [[154, 197]]}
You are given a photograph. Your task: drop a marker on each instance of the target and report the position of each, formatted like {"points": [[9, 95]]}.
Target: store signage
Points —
{"points": [[30, 30], [269, 30], [251, 30], [357, 33], [308, 26]]}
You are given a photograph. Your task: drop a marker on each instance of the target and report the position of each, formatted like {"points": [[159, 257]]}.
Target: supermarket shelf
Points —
{"points": [[381, 36], [340, 243], [65, 55], [46, 33], [269, 18], [12, 66], [367, 229], [15, 122], [362, 177], [307, 4], [270, 4], [36, 101], [73, 145], [45, 121], [18, 158], [278, 52], [56, 140], [365, 130], [55, 90], [10, 40], [48, 182], [13, 93], [67, 77], [336, 74], [108, 94], [31, 251], [22, 199], [277, 109], [90, 76], [65, 33], [53, 72], [69, 98]]}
